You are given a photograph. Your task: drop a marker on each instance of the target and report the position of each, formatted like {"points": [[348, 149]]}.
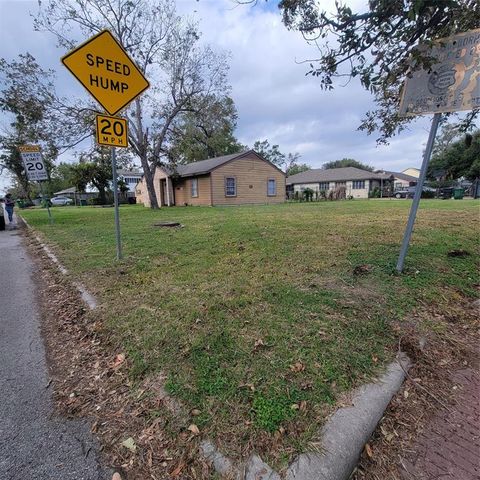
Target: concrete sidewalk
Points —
{"points": [[34, 443]]}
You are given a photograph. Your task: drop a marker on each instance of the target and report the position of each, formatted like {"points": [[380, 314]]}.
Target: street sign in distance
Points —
{"points": [[33, 162], [103, 67], [451, 84], [112, 131]]}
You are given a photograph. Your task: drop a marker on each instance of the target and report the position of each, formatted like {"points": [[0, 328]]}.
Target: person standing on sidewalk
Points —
{"points": [[9, 204]]}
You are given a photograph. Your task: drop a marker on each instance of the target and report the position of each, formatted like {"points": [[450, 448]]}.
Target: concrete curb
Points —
{"points": [[343, 437], [346, 432], [87, 297]]}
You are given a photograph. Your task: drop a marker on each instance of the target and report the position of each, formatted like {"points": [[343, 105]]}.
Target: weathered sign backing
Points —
{"points": [[452, 84]]}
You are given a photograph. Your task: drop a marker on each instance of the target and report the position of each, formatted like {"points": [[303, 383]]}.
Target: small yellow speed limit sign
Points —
{"points": [[112, 131]]}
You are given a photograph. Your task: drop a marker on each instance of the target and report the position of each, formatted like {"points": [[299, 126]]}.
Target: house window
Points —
{"points": [[230, 187], [324, 185], [340, 184], [358, 184], [272, 187], [194, 186]]}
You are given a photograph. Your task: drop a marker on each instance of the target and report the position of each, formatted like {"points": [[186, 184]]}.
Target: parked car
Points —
{"points": [[61, 201], [409, 192], [446, 192], [406, 192]]}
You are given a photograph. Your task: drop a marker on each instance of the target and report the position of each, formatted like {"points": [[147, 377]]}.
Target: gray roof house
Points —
{"points": [[358, 182]]}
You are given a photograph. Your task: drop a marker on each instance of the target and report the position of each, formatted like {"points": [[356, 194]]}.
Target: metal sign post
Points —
{"points": [[50, 218], [115, 201], [418, 191], [450, 85]]}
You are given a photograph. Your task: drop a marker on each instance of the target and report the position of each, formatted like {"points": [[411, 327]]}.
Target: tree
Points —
{"points": [[377, 45], [95, 168], [346, 162], [292, 165], [27, 93], [459, 159], [36, 114], [206, 131], [166, 49], [270, 152]]}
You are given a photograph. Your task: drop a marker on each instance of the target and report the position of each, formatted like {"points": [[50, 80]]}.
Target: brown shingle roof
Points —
{"points": [[334, 175], [206, 166]]}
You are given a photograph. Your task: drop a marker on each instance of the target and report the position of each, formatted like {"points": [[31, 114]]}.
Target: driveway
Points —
{"points": [[34, 442]]}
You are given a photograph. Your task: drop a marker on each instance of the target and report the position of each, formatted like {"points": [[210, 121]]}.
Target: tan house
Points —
{"points": [[238, 179], [413, 172]]}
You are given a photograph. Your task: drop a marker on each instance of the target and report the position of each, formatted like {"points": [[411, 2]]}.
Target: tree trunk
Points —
{"points": [[149, 183], [102, 196], [140, 145]]}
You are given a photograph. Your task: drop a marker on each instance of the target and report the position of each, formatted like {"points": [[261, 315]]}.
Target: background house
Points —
{"points": [[413, 172], [131, 178], [237, 179], [358, 182], [401, 180], [79, 198]]}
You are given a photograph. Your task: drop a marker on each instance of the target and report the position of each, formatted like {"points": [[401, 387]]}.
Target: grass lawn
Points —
{"points": [[254, 313]]}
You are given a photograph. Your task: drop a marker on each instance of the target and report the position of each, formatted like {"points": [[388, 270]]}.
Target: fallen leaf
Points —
{"points": [[405, 393], [368, 450], [303, 406], [176, 471], [130, 444], [119, 359], [297, 367], [194, 429], [195, 412], [258, 344], [295, 406]]}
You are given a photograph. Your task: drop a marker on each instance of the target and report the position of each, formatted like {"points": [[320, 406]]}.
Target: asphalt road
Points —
{"points": [[35, 444]]}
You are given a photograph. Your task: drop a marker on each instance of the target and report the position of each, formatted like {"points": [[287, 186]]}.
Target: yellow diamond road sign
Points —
{"points": [[103, 67]]}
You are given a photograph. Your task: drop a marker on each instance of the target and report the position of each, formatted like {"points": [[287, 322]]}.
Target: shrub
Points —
{"points": [[308, 194]]}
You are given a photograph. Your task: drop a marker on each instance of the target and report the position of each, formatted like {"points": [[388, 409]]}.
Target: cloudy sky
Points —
{"points": [[274, 98]]}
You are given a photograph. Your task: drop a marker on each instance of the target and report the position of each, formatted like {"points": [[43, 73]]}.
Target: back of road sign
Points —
{"points": [[106, 71], [452, 83]]}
